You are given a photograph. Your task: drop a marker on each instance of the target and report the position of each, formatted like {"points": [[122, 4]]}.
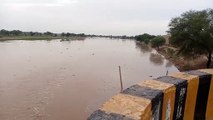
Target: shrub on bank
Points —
{"points": [[158, 41]]}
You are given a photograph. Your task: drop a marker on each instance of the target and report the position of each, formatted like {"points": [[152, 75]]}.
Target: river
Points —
{"points": [[68, 80]]}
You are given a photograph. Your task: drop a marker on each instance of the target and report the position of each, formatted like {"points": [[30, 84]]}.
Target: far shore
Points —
{"points": [[5, 38]]}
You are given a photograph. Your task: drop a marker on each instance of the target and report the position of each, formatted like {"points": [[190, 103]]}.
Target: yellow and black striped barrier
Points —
{"points": [[178, 96]]}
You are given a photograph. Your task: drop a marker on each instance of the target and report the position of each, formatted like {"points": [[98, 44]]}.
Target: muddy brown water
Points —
{"points": [[68, 80]]}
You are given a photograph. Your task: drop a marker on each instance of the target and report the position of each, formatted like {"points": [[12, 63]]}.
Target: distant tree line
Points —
{"points": [[72, 34], [4, 32], [10, 33]]}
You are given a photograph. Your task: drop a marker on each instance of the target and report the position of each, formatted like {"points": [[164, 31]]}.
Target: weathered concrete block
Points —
{"points": [[178, 96], [169, 91], [101, 115], [209, 109], [156, 97], [202, 94], [192, 88]]}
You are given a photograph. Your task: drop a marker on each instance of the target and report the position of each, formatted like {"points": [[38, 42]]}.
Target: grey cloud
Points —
{"points": [[116, 17]]}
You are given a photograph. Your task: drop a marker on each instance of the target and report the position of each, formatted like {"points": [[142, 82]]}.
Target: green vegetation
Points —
{"points": [[20, 35], [192, 33], [144, 38], [158, 41], [191, 40]]}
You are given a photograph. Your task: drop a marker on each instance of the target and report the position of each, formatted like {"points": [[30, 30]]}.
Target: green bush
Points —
{"points": [[158, 41], [144, 38], [146, 41]]}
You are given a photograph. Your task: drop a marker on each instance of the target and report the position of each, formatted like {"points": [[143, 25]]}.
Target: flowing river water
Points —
{"points": [[68, 80]]}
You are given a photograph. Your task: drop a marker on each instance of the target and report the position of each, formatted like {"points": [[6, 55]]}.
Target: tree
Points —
{"points": [[55, 35], [48, 33], [144, 38], [146, 41], [31, 33], [158, 41], [81, 35], [62, 34], [16, 32], [192, 32], [68, 34], [4, 32]]}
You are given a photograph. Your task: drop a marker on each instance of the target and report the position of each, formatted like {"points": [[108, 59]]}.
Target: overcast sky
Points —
{"points": [[108, 17]]}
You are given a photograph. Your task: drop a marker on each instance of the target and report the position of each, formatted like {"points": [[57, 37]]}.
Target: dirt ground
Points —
{"points": [[184, 63]]}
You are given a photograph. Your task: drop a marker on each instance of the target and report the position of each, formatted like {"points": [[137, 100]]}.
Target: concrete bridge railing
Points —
{"points": [[184, 95]]}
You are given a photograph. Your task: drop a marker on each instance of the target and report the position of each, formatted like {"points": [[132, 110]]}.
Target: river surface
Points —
{"points": [[68, 80]]}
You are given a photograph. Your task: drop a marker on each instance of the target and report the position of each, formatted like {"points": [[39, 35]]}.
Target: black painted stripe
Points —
{"points": [[202, 94], [156, 97], [180, 96], [101, 115]]}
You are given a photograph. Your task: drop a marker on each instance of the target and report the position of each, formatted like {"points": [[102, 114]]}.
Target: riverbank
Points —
{"points": [[183, 63], [4, 38]]}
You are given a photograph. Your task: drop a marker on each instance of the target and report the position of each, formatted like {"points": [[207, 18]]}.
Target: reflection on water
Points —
{"points": [[68, 80], [73, 39], [169, 64], [143, 48], [156, 59]]}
